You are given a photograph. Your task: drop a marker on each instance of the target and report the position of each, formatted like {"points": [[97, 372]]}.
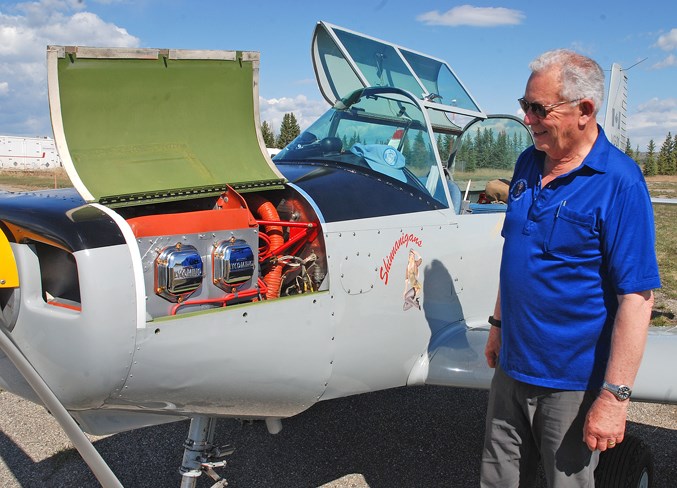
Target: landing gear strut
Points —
{"points": [[200, 455]]}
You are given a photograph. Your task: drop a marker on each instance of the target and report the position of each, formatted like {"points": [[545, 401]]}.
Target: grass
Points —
{"points": [[480, 177], [34, 180], [665, 310], [666, 250], [666, 246]]}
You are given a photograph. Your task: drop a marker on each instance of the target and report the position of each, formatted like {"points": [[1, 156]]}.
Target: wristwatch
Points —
{"points": [[621, 392], [494, 322]]}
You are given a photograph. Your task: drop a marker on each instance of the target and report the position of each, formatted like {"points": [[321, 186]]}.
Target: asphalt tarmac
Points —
{"points": [[420, 437]]}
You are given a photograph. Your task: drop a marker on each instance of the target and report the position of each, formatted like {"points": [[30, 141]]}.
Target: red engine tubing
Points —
{"points": [[287, 223], [265, 249], [263, 289], [267, 212], [300, 237]]}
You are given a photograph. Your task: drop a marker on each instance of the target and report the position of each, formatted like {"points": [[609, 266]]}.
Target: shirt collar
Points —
{"points": [[599, 154], [597, 157]]}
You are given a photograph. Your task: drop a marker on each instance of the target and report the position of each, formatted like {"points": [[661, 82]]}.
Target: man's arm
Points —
{"points": [[494, 340], [606, 418]]}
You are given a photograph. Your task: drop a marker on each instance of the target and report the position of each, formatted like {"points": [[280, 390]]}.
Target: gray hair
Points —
{"points": [[581, 77]]}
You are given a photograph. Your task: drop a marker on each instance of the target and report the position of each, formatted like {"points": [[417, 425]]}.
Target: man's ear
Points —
{"points": [[587, 107]]}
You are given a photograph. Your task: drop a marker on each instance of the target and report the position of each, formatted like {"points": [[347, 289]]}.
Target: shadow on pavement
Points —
{"points": [[424, 437]]}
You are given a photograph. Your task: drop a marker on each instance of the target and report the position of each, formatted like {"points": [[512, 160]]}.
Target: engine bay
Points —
{"points": [[237, 248]]}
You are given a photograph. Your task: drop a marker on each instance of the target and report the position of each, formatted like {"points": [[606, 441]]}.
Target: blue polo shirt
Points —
{"points": [[570, 248]]}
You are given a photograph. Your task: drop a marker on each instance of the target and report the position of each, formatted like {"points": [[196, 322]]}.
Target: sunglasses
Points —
{"points": [[539, 110]]}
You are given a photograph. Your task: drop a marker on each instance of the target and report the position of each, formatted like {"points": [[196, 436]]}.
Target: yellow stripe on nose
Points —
{"points": [[9, 274]]}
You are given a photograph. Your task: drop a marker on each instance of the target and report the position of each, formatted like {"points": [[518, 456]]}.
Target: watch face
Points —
{"points": [[623, 392]]}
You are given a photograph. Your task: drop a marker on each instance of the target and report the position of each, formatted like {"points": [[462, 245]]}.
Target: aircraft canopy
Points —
{"points": [[345, 61]]}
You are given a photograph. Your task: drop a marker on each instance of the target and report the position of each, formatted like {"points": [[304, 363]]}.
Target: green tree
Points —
{"points": [[502, 151], [465, 156], [650, 163], [664, 156], [268, 135], [628, 148], [289, 130], [671, 167], [444, 143], [418, 157]]}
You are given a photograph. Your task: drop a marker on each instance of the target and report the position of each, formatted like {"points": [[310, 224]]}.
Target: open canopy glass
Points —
{"points": [[346, 60]]}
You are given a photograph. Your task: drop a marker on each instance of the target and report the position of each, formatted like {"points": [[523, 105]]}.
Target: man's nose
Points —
{"points": [[530, 118]]}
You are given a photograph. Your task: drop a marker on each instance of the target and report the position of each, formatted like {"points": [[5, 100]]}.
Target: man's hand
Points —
{"points": [[493, 346], [605, 422]]}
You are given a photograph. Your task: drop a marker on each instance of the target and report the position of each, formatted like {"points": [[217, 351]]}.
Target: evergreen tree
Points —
{"points": [[628, 148], [480, 147], [418, 157], [444, 143], [354, 139], [671, 168], [503, 153], [650, 163], [439, 140], [464, 160], [664, 156], [449, 144], [289, 130], [268, 135]]}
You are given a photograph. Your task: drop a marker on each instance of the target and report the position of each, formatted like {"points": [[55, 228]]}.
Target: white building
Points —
{"points": [[28, 153]]}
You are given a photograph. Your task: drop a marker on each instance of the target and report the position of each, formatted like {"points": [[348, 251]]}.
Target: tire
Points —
{"points": [[628, 465]]}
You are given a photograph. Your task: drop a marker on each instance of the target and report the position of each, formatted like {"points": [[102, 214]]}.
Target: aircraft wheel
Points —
{"points": [[628, 465], [10, 299]]}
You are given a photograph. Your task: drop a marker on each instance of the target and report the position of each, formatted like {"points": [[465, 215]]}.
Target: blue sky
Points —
{"points": [[488, 44]]}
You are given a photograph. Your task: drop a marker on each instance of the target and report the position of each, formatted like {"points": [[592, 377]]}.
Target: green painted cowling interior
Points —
{"points": [[140, 129]]}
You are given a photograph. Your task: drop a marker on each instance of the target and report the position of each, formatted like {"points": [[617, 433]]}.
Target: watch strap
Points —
{"points": [[494, 322], [621, 392]]}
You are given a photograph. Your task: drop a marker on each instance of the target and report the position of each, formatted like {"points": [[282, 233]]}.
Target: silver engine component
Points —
{"points": [[191, 272], [178, 272], [232, 264]]}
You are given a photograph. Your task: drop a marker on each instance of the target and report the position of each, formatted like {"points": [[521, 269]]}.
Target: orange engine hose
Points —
{"points": [[266, 211]]}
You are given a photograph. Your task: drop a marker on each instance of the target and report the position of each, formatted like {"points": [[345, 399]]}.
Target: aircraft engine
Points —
{"points": [[229, 251]]}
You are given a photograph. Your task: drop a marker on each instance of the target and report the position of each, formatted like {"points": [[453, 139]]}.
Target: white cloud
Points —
{"points": [[668, 42], [304, 109], [24, 36], [85, 28], [473, 16], [652, 120], [671, 60]]}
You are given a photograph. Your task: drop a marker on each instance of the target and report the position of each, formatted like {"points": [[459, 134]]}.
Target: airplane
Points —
{"points": [[615, 126], [189, 275]]}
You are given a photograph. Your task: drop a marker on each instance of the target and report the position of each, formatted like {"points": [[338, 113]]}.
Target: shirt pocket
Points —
{"points": [[572, 234]]}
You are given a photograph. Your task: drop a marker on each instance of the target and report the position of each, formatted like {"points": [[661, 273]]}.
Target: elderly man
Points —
{"points": [[575, 298]]}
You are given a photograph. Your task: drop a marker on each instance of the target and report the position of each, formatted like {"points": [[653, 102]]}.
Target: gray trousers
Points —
{"points": [[528, 424]]}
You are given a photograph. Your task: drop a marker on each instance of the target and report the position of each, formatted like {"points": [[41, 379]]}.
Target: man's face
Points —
{"points": [[557, 133]]}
